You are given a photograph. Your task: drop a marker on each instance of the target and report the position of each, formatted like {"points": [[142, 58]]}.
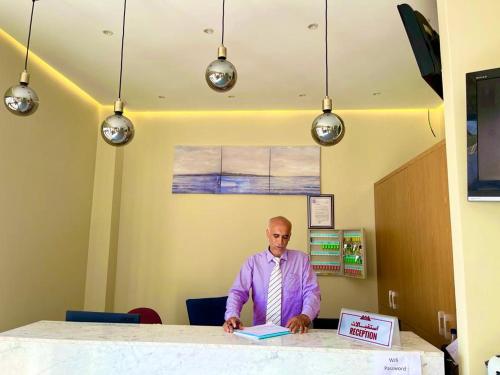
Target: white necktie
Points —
{"points": [[273, 312]]}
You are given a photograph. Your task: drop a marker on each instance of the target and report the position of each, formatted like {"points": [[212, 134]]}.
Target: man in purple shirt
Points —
{"points": [[300, 296]]}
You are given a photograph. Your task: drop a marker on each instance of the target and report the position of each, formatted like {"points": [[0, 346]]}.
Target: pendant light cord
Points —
{"points": [[121, 56], [223, 6], [29, 36], [326, 46]]}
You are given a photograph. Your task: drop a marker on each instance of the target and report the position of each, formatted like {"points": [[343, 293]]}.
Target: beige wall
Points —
{"points": [[46, 167], [103, 238], [173, 247], [470, 40]]}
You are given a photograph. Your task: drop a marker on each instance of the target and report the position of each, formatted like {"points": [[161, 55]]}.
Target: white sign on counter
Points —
{"points": [[371, 328], [398, 363]]}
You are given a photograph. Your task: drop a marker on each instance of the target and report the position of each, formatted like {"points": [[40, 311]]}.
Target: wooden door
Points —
{"points": [[390, 215], [431, 286]]}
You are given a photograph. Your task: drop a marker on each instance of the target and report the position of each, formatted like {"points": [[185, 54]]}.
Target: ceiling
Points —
{"points": [[280, 61]]}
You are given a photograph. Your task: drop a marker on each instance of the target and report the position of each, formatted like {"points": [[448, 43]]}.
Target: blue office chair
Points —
{"points": [[325, 323], [101, 317], [332, 323], [206, 311]]}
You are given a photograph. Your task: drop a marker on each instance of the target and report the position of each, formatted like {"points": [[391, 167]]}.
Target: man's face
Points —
{"points": [[278, 235]]}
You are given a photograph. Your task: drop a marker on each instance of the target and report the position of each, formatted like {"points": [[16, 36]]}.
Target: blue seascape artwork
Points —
{"points": [[196, 170], [279, 170], [208, 184], [295, 185], [244, 185]]}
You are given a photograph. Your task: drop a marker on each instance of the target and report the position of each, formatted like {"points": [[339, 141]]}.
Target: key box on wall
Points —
{"points": [[338, 252]]}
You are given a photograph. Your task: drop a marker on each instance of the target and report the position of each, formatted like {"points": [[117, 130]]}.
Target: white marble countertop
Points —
{"points": [[49, 347], [315, 340]]}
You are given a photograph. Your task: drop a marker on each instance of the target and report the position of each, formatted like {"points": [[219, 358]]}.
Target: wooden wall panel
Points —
{"points": [[413, 230], [390, 236]]}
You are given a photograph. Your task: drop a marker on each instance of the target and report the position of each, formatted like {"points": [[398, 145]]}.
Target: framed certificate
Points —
{"points": [[320, 211]]}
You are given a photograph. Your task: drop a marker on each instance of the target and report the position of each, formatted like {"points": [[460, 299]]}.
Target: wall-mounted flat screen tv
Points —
{"points": [[483, 135], [424, 42]]}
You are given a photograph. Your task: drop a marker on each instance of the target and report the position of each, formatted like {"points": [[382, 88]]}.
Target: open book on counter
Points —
{"points": [[263, 331]]}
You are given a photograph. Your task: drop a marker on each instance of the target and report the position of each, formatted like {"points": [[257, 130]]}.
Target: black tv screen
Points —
{"points": [[424, 42], [483, 135]]}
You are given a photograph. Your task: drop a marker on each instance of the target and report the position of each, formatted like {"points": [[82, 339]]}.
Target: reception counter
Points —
{"points": [[48, 347]]}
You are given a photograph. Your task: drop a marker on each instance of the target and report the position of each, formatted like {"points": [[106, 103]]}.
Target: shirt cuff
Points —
{"points": [[230, 314], [309, 312]]}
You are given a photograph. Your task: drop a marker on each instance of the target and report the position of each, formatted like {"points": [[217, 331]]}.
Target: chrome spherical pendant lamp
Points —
{"points": [[21, 99], [221, 75], [118, 130], [328, 128]]}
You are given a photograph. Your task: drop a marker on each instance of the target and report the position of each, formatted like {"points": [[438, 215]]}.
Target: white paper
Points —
{"points": [[398, 363], [453, 350], [321, 211]]}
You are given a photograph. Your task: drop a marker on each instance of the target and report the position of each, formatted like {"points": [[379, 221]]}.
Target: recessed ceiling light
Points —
{"points": [[312, 26], [208, 31], [376, 93], [302, 95], [161, 97], [107, 32]]}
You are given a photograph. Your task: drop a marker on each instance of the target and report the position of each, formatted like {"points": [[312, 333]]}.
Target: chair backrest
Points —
{"points": [[100, 317], [332, 323], [206, 311], [147, 315], [326, 323]]}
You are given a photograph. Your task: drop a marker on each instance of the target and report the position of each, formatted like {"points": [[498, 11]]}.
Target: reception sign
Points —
{"points": [[371, 328]]}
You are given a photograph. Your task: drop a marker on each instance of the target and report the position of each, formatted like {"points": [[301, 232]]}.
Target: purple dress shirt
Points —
{"points": [[300, 289]]}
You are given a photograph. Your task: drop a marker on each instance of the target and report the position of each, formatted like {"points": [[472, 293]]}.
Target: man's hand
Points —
{"points": [[299, 323], [231, 324]]}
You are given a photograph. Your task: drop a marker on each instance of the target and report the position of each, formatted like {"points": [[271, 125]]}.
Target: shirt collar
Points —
{"points": [[270, 256]]}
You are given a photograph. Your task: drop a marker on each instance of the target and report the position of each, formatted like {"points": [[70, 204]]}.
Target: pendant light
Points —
{"points": [[118, 130], [221, 74], [20, 99], [327, 129]]}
